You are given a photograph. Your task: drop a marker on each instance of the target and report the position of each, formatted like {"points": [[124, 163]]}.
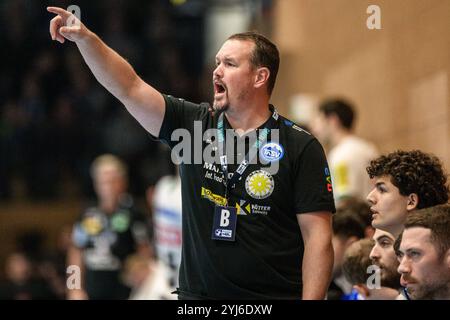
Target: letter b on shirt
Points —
{"points": [[224, 218]]}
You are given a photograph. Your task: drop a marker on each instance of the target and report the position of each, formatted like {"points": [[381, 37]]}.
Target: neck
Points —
{"points": [[109, 205], [394, 230], [339, 136], [244, 120]]}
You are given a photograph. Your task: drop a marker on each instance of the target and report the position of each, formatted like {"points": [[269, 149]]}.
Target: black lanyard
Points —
{"points": [[230, 183]]}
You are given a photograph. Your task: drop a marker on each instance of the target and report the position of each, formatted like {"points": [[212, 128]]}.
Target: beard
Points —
{"points": [[430, 291], [219, 108], [389, 276]]}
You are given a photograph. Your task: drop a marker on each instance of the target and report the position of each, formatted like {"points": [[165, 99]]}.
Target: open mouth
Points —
{"points": [[219, 88]]}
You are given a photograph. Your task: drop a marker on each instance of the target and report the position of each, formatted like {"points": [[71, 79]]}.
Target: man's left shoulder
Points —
{"points": [[294, 134]]}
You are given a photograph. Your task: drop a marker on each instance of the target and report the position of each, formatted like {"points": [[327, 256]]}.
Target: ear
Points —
{"points": [[362, 290], [447, 259], [262, 77], [350, 240], [369, 231], [413, 202]]}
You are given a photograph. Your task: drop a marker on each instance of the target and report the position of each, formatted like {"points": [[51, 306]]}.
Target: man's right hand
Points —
{"points": [[66, 26]]}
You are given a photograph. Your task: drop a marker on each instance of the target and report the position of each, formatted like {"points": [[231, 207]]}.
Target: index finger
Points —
{"points": [[63, 13]]}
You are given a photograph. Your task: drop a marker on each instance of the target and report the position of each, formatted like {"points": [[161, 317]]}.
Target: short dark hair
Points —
{"points": [[397, 244], [343, 109], [357, 260], [348, 224], [413, 172], [358, 207], [265, 54], [437, 219]]}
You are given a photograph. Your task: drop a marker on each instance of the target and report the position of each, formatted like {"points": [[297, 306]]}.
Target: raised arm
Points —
{"points": [[144, 102]]}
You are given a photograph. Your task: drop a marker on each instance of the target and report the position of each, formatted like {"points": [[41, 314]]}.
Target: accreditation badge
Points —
{"points": [[224, 225]]}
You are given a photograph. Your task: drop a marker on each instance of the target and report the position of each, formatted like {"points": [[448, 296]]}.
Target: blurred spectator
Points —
{"points": [[348, 155], [347, 228], [147, 278], [360, 208], [355, 267], [42, 142], [21, 283], [107, 234], [167, 208]]}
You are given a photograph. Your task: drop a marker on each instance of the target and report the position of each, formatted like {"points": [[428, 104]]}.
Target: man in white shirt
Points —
{"points": [[348, 155]]}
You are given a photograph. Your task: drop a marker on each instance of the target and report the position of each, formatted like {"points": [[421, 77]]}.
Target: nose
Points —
{"points": [[371, 197], [374, 254], [403, 267], [218, 72]]}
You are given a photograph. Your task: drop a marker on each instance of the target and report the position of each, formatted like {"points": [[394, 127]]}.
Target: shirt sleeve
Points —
{"points": [[312, 180], [180, 114]]}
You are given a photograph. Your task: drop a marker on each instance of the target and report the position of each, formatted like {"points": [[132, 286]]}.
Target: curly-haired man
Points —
{"points": [[404, 181]]}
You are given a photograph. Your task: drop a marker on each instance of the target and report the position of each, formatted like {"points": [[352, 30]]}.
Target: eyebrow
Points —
{"points": [[409, 250], [383, 237], [226, 59]]}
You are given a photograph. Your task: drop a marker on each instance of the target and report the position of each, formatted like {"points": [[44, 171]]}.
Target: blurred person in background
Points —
{"points": [[22, 281], [147, 278], [245, 74], [356, 269], [107, 234], [347, 228], [167, 208], [348, 155], [424, 254], [360, 208], [404, 181]]}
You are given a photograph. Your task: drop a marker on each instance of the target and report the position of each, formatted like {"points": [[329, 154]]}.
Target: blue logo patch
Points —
{"points": [[271, 151], [288, 123]]}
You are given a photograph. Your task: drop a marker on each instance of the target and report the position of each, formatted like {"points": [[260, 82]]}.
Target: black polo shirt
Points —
{"points": [[264, 261], [106, 241]]}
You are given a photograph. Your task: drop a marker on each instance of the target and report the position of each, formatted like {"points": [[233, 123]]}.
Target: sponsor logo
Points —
{"points": [[212, 172], [259, 184], [246, 208], [271, 151], [243, 207], [215, 198], [257, 209], [224, 233], [328, 179], [92, 225], [120, 221], [210, 167]]}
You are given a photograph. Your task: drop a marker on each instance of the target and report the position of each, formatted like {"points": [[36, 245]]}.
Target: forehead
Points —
{"points": [[236, 49], [380, 233], [416, 237], [385, 180], [107, 170]]}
